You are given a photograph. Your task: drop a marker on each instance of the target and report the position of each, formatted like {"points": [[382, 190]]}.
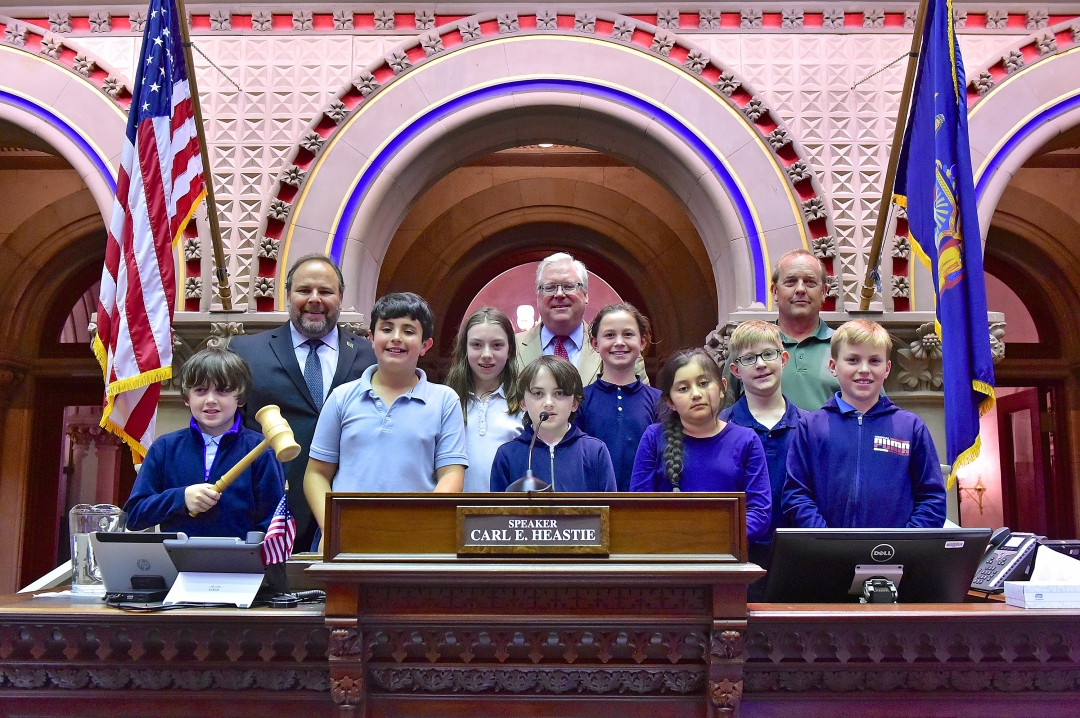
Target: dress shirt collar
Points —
{"points": [[234, 429], [298, 339], [575, 337]]}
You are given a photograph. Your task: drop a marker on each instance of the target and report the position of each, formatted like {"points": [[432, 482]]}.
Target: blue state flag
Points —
{"points": [[934, 181]]}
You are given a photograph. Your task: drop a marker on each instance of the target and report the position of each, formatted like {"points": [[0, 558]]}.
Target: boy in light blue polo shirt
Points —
{"points": [[391, 429]]}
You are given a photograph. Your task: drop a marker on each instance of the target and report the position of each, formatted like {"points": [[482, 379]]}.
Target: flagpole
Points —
{"points": [[224, 292], [869, 284]]}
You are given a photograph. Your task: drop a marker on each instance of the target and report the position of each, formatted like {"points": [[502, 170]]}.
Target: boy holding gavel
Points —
{"points": [[176, 479]]}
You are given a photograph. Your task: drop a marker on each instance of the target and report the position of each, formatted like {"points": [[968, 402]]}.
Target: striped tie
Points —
{"points": [[313, 372], [560, 348]]}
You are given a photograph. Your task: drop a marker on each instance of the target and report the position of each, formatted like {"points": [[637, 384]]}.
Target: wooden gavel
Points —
{"points": [[277, 434]]}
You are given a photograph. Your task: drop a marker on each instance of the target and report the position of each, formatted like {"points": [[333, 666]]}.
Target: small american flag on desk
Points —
{"points": [[159, 185], [280, 536]]}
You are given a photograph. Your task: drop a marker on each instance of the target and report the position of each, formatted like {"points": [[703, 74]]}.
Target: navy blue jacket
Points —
{"points": [[775, 441], [874, 470], [580, 462], [177, 460], [618, 416]]}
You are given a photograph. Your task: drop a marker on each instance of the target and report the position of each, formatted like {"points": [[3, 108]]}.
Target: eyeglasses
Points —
{"points": [[550, 290], [751, 359]]}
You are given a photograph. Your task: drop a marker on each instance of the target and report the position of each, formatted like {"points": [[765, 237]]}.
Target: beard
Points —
{"points": [[315, 329]]}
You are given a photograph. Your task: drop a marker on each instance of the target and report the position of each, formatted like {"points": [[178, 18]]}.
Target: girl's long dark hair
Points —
{"points": [[672, 422], [460, 377]]}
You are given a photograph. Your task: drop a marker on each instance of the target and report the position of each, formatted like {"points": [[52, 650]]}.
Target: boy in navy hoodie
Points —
{"points": [[861, 461], [177, 476], [757, 358], [563, 456]]}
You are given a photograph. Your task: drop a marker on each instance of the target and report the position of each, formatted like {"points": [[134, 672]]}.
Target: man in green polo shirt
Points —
{"points": [[798, 286]]}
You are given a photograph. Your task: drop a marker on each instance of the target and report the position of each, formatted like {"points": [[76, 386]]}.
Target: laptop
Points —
{"points": [[135, 567]]}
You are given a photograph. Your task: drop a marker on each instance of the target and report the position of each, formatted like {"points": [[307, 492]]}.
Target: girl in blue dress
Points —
{"points": [[692, 449]]}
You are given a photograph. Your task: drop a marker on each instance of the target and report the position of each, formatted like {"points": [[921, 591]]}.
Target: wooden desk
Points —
{"points": [[657, 625], [77, 657], [60, 657], [967, 660]]}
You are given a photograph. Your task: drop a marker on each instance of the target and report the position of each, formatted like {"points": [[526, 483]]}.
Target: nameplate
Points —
{"points": [[566, 530]]}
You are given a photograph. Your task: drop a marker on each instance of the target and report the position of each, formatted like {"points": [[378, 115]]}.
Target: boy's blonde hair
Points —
{"points": [[861, 331], [752, 333]]}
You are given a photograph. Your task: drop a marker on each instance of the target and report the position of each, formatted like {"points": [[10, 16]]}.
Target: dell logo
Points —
{"points": [[144, 565], [882, 552]]}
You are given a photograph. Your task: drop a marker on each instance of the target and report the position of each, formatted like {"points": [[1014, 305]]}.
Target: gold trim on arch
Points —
{"points": [[1042, 62], [340, 131]]}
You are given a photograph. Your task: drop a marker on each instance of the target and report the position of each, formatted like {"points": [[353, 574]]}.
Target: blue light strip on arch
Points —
{"points": [[672, 123], [68, 131], [1019, 135]]}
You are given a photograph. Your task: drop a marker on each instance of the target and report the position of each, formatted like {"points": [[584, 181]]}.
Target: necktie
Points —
{"points": [[560, 348], [313, 372]]}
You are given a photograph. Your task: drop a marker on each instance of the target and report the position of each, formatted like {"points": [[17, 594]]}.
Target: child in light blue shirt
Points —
{"points": [[391, 429]]}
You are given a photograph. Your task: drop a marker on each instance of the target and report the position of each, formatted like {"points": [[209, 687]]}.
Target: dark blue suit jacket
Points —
{"points": [[278, 379]]}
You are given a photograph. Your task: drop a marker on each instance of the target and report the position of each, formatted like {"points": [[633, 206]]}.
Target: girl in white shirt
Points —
{"points": [[482, 374]]}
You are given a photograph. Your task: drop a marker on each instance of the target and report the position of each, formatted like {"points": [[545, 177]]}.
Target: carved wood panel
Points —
{"points": [[468, 600], [123, 654], [922, 657]]}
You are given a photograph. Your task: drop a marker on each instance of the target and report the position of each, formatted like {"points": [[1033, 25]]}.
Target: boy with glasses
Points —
{"points": [[756, 356], [799, 282]]}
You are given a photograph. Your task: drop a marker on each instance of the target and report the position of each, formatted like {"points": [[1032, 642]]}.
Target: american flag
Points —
{"points": [[159, 186], [278, 544]]}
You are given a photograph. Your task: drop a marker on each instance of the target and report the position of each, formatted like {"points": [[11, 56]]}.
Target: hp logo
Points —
{"points": [[882, 552], [143, 564]]}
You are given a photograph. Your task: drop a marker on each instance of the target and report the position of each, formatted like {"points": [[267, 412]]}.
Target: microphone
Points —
{"points": [[529, 482], [544, 416]]}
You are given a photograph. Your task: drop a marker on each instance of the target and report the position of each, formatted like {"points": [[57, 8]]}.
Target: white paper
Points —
{"points": [[1052, 567], [235, 588], [1023, 594]]}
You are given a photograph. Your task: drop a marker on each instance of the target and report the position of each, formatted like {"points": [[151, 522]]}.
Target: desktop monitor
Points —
{"points": [[821, 565]]}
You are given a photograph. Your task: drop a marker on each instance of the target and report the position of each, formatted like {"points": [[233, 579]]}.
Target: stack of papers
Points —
{"points": [[1054, 583]]}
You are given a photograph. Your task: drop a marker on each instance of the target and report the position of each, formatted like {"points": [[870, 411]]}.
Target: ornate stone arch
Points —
{"points": [[497, 80], [1019, 102], [488, 224], [58, 230], [70, 98]]}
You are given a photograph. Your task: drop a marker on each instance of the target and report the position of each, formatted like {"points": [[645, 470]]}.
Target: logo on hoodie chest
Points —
{"points": [[892, 446]]}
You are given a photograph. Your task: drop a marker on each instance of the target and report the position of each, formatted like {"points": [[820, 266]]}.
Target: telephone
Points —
{"points": [[1009, 557]]}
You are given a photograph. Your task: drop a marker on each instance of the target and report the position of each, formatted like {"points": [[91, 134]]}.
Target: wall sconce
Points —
{"points": [[975, 493]]}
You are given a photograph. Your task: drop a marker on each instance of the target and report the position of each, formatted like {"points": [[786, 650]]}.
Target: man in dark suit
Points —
{"points": [[298, 364]]}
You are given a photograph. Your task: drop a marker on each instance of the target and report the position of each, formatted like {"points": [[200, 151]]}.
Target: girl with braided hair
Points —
{"points": [[692, 449]]}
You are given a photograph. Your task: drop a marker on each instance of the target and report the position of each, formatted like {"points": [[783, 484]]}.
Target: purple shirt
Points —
{"points": [[733, 460]]}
